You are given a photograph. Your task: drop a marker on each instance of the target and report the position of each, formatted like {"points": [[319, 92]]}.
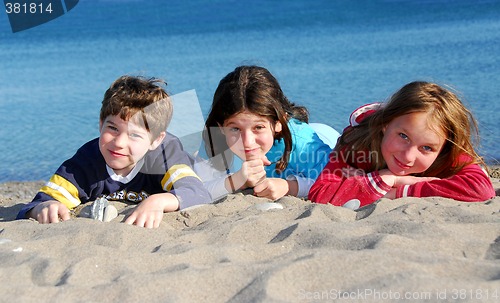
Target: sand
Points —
{"points": [[423, 249]]}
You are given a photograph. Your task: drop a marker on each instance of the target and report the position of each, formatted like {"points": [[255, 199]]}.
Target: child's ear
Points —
{"points": [[221, 128], [157, 141], [278, 127]]}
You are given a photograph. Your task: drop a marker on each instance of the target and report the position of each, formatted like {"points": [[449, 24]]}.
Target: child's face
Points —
{"points": [[409, 146], [123, 143], [250, 136]]}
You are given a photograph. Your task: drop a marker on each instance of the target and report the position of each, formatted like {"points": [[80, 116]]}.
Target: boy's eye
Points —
{"points": [[111, 127], [137, 136], [260, 127], [427, 148], [234, 129], [403, 136]]}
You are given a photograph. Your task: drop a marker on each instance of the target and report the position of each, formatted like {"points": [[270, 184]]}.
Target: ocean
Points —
{"points": [[330, 56]]}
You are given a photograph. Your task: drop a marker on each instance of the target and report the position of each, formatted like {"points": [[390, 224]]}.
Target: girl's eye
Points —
{"points": [[234, 129], [427, 148], [403, 136]]}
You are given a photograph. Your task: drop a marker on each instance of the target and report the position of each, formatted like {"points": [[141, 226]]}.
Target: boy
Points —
{"points": [[133, 160]]}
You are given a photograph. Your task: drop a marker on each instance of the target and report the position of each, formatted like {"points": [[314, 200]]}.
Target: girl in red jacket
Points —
{"points": [[417, 144]]}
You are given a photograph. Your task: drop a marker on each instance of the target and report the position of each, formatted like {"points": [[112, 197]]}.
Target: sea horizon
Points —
{"points": [[330, 56]]}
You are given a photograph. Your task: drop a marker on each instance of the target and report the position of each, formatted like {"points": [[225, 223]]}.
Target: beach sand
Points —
{"points": [[427, 249]]}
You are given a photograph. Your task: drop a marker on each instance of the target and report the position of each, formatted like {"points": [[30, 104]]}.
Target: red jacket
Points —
{"points": [[471, 184]]}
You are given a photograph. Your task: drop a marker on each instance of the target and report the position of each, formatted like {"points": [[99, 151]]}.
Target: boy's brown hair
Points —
{"points": [[130, 95]]}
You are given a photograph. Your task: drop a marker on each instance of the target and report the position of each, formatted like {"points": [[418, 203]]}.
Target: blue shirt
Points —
{"points": [[308, 157]]}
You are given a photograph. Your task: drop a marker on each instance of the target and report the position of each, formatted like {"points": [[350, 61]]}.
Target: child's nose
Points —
{"points": [[121, 139], [410, 154], [247, 138]]}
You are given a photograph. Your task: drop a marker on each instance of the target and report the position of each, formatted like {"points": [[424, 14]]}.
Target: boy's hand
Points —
{"points": [[149, 213], [272, 188], [50, 212]]}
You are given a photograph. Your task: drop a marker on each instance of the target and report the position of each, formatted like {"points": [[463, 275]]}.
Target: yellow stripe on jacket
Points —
{"points": [[62, 190], [175, 173]]}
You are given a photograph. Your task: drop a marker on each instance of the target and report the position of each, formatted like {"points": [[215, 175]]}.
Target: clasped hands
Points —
{"points": [[253, 175], [389, 178]]}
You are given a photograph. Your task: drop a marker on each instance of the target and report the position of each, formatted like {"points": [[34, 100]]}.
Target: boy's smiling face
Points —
{"points": [[123, 143]]}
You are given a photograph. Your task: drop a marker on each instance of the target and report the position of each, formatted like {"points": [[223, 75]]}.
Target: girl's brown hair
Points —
{"points": [[253, 89], [447, 114]]}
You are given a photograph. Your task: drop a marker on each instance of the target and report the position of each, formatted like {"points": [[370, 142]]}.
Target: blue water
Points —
{"points": [[330, 56]]}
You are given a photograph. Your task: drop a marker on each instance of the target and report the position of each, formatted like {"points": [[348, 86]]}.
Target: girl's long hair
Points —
{"points": [[447, 113], [256, 90]]}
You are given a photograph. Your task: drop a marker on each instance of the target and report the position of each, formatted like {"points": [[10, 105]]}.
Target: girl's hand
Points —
{"points": [[271, 188], [251, 173], [406, 180], [149, 213], [391, 194], [410, 180], [388, 177], [396, 181], [50, 212]]}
